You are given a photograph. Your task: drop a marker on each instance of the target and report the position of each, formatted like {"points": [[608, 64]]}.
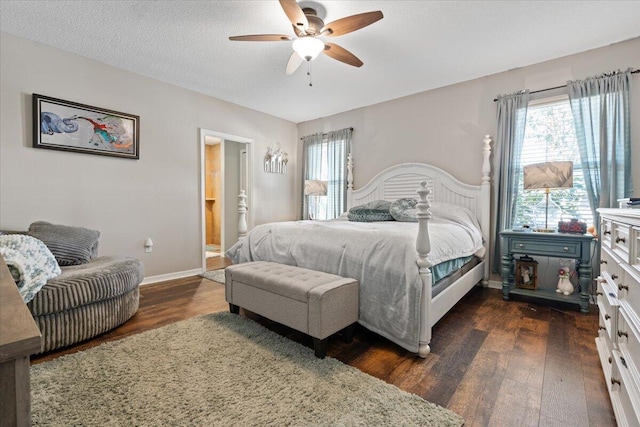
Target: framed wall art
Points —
{"points": [[69, 126]]}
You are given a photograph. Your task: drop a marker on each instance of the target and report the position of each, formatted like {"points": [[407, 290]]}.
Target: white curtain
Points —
{"points": [[325, 159]]}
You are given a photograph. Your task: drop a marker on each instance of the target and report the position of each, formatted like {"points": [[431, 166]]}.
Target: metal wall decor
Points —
{"points": [[276, 159]]}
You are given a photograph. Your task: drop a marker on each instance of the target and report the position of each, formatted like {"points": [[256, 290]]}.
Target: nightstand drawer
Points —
{"points": [[568, 249]]}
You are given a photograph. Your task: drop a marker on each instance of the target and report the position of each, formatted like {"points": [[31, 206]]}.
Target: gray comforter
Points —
{"points": [[380, 255]]}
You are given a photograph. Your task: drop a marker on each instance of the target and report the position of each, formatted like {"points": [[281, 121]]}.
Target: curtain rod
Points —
{"points": [[558, 87], [324, 134]]}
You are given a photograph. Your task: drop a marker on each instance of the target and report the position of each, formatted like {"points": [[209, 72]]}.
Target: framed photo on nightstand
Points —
{"points": [[526, 273]]}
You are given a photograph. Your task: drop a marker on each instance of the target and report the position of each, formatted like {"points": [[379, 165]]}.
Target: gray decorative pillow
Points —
{"points": [[404, 210], [69, 245], [378, 210]]}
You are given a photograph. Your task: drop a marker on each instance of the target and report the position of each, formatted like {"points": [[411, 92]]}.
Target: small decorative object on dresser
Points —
{"points": [[618, 296]]}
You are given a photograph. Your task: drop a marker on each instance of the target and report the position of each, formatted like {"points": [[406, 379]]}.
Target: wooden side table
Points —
{"points": [[558, 245], [19, 338]]}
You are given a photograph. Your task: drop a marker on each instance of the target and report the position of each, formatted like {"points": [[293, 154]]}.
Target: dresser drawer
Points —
{"points": [[605, 352], [610, 268], [605, 230], [620, 239], [634, 249], [629, 289], [628, 338], [545, 248], [608, 308], [623, 391]]}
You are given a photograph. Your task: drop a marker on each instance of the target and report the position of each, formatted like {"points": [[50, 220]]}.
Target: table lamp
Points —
{"points": [[549, 175], [314, 187]]}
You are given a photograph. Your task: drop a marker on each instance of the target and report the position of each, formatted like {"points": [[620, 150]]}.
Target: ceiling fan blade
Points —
{"points": [[295, 15], [294, 63], [341, 54], [350, 23], [261, 38]]}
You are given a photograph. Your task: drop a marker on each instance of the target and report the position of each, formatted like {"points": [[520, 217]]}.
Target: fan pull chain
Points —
{"points": [[309, 72]]}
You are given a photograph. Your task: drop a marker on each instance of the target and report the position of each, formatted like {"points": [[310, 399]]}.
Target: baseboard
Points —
{"points": [[171, 276], [494, 284]]}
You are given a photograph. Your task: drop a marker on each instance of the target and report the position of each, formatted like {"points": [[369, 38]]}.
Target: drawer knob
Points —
{"points": [[521, 245], [620, 239], [601, 328], [623, 334], [607, 232], [607, 317], [621, 287], [614, 381], [614, 276], [610, 359], [599, 293], [603, 261], [566, 249]]}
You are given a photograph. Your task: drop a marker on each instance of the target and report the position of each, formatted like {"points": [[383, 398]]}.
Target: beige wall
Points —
{"points": [[445, 126], [127, 200]]}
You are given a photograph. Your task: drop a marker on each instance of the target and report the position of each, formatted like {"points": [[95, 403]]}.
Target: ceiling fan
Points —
{"points": [[308, 28]]}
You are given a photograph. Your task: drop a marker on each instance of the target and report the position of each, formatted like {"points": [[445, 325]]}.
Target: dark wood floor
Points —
{"points": [[496, 363]]}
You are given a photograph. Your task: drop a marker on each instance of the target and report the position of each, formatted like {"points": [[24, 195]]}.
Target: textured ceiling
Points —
{"points": [[419, 45]]}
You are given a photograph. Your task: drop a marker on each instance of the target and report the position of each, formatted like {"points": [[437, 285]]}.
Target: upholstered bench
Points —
{"points": [[316, 303]]}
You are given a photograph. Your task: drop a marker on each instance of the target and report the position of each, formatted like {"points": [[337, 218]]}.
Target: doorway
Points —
{"points": [[225, 172]]}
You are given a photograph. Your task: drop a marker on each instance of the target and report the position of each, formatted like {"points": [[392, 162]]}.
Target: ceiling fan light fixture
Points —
{"points": [[308, 47]]}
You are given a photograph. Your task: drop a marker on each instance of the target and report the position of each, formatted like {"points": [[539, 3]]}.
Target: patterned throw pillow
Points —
{"points": [[378, 210], [70, 245], [404, 210], [30, 260]]}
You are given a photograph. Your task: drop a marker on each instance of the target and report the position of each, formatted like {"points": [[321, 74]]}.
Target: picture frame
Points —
{"points": [[526, 273], [71, 126]]}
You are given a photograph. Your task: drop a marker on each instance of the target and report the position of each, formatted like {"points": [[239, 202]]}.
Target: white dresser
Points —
{"points": [[618, 299]]}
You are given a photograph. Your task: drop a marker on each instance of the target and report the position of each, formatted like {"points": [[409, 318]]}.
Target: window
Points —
{"points": [[549, 137], [326, 160]]}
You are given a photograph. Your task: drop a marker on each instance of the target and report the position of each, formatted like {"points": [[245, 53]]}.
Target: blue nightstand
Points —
{"points": [[558, 245]]}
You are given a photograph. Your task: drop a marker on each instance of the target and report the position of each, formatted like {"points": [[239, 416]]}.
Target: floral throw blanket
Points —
{"points": [[30, 262]]}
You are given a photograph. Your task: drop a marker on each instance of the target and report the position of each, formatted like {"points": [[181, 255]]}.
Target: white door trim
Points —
{"points": [[249, 190]]}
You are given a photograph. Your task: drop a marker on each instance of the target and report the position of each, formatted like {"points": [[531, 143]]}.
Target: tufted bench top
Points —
{"points": [[291, 282]]}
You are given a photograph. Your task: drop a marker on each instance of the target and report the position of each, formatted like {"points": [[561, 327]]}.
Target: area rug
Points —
{"points": [[215, 275], [218, 369]]}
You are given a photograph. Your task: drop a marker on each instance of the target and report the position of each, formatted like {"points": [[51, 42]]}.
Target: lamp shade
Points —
{"points": [[314, 187], [308, 47], [548, 175]]}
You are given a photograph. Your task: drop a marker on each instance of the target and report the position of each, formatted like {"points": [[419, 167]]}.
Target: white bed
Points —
{"points": [[266, 242]]}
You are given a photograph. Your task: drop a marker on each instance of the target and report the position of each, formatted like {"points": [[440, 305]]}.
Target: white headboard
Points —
{"points": [[404, 179]]}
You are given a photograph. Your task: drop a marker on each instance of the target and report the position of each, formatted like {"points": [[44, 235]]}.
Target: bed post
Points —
{"points": [[349, 179], [485, 208], [423, 247], [242, 215]]}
